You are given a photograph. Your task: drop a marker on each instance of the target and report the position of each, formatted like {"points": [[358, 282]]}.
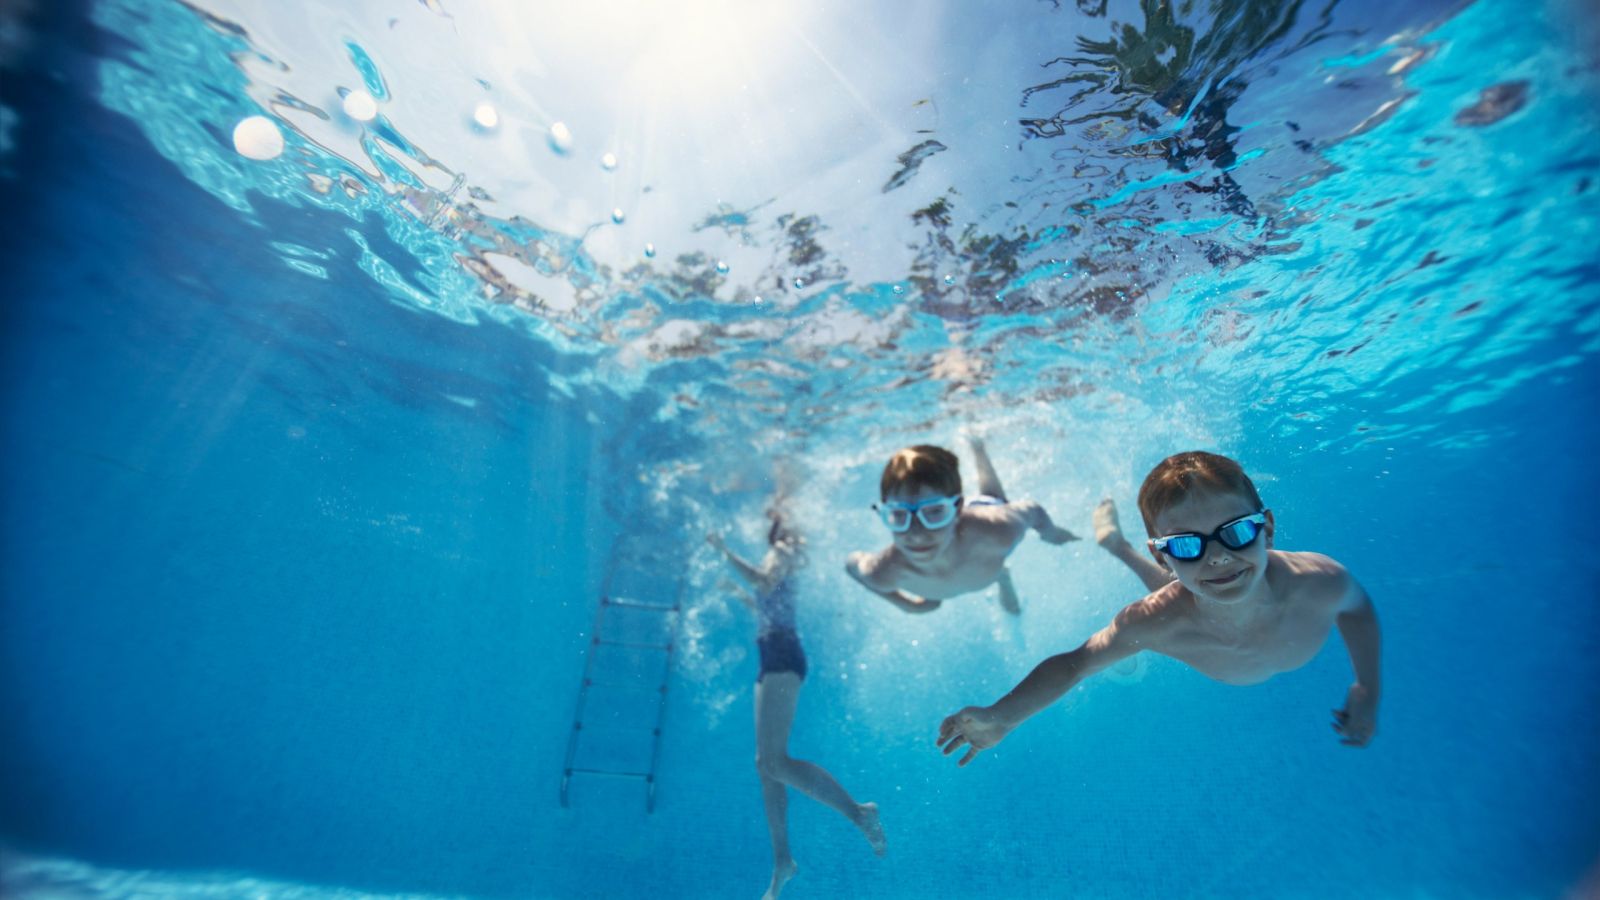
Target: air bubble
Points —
{"points": [[257, 137], [799, 283], [360, 106], [899, 289], [722, 267], [486, 116], [618, 216], [609, 162], [650, 251], [949, 279], [561, 138]]}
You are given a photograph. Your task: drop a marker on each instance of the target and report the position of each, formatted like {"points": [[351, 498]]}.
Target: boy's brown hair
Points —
{"points": [[1176, 477], [923, 464]]}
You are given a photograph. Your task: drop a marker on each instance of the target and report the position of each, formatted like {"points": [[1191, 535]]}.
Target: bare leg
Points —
{"points": [[1108, 534], [988, 481], [989, 485], [1008, 593], [774, 796], [776, 696], [776, 799]]}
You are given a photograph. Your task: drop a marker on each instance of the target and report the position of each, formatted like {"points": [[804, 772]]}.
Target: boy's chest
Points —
{"points": [[974, 572], [1253, 655]]}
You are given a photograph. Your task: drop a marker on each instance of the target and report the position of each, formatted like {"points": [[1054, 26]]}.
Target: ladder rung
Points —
{"points": [[631, 729], [645, 775], [625, 686], [634, 604], [638, 645]]}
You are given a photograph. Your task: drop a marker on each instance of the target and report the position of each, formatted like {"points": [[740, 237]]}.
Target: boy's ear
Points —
{"points": [[1271, 524], [1160, 558]]}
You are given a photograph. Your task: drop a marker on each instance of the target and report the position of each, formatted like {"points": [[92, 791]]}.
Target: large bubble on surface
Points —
{"points": [[258, 137], [560, 138], [361, 106]]}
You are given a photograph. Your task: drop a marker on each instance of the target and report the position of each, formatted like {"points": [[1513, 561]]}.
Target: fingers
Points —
{"points": [[1058, 535], [1354, 734], [1356, 738], [951, 739]]}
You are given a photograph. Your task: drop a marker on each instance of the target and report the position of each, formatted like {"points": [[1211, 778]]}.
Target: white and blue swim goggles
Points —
{"points": [[935, 513], [1235, 535]]}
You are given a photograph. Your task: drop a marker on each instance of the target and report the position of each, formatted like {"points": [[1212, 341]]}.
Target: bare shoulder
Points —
{"points": [[880, 570], [1161, 606], [1145, 622], [1312, 577]]}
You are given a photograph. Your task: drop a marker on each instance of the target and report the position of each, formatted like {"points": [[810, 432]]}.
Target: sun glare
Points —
{"points": [[702, 49], [715, 47]]}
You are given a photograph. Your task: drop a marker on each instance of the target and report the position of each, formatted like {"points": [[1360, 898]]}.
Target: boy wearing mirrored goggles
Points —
{"points": [[944, 544], [1238, 610]]}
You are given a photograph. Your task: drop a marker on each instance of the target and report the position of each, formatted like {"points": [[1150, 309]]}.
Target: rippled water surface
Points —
{"points": [[881, 210]]}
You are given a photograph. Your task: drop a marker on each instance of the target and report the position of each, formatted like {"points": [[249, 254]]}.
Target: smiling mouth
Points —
{"points": [[1225, 580]]}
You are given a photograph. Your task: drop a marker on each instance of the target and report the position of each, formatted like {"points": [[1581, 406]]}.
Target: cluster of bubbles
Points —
{"points": [[259, 138]]}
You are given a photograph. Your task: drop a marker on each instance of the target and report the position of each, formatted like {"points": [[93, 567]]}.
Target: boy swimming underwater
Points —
{"points": [[1239, 611], [945, 544]]}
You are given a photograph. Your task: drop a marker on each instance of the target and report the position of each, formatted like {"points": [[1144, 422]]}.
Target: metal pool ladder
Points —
{"points": [[622, 700]]}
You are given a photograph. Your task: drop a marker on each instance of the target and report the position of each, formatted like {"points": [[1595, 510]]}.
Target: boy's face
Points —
{"points": [[1220, 575], [920, 543]]}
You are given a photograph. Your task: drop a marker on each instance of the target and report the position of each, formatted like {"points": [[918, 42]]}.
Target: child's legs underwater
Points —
{"points": [[777, 695], [992, 493], [988, 482]]}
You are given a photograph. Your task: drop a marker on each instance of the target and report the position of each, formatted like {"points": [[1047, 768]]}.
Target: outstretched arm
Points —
{"points": [[1358, 625], [1148, 572], [860, 566], [1039, 520], [740, 594], [981, 727], [752, 574], [1108, 534]]}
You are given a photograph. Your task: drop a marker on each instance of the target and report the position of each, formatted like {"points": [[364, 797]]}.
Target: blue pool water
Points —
{"points": [[315, 465]]}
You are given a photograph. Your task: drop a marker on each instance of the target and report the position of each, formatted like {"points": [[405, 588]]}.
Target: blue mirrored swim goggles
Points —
{"points": [[1235, 535], [934, 512]]}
